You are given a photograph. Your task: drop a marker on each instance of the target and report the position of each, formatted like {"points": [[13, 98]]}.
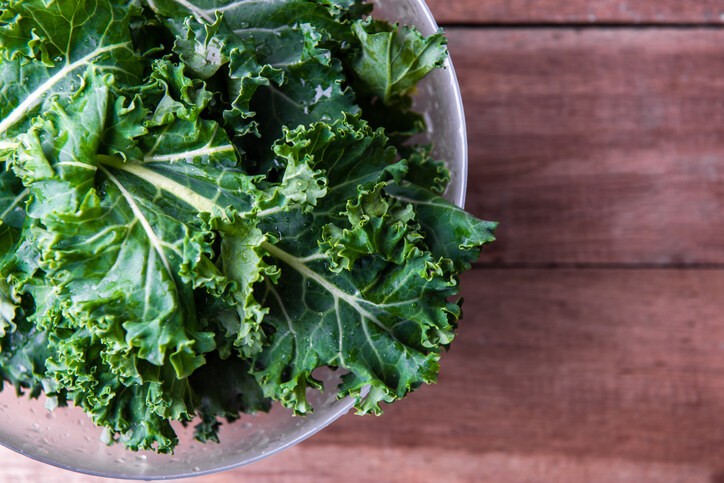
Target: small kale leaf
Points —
{"points": [[394, 59]]}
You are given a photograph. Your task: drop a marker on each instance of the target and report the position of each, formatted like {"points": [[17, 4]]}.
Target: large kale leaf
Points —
{"points": [[358, 288]]}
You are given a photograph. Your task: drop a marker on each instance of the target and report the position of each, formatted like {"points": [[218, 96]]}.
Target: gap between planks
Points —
{"points": [[670, 12], [480, 265], [580, 25]]}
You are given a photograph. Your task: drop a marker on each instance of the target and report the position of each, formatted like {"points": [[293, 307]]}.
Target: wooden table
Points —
{"points": [[592, 347]]}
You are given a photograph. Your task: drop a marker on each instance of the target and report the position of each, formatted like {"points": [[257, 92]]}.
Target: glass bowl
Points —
{"points": [[66, 437]]}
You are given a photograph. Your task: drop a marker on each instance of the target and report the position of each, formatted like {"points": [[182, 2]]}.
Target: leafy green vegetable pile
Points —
{"points": [[202, 202]]}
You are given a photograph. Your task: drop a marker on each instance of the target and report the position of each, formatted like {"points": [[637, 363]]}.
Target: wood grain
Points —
{"points": [[332, 464], [596, 146], [557, 375], [613, 364], [577, 11]]}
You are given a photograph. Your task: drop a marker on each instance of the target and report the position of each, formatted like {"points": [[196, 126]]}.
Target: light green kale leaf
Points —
{"points": [[450, 231], [124, 267], [125, 264], [188, 164], [46, 46]]}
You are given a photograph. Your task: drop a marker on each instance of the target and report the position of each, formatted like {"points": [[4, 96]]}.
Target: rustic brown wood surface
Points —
{"points": [[596, 145], [577, 11], [592, 347]]}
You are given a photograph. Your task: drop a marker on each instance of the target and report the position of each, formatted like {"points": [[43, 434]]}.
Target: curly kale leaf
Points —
{"points": [[124, 268], [279, 55], [358, 289], [45, 46]]}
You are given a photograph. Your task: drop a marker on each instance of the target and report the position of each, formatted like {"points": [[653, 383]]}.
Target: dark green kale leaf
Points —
{"points": [[450, 231], [281, 69], [358, 289], [394, 59]]}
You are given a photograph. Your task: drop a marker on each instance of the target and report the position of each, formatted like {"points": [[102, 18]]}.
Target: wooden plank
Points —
{"points": [[603, 364], [577, 11], [596, 146], [331, 464], [557, 375]]}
